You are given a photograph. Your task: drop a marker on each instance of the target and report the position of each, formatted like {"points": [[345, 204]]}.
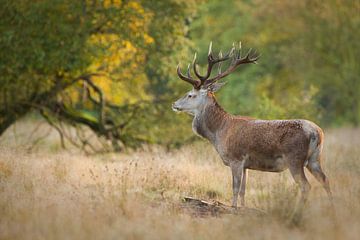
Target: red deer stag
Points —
{"points": [[246, 143]]}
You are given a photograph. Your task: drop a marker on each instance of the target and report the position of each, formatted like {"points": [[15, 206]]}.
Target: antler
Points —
{"points": [[204, 81], [211, 62], [196, 83]]}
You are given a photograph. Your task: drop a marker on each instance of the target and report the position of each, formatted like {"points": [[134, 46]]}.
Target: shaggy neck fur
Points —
{"points": [[210, 119]]}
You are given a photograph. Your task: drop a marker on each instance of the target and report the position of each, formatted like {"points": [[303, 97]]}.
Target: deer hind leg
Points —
{"points": [[237, 172], [315, 169], [242, 188], [299, 176]]}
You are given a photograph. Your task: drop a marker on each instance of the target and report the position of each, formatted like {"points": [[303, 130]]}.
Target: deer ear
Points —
{"points": [[216, 86]]}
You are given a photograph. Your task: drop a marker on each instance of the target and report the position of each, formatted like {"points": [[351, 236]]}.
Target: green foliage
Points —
{"points": [[309, 57], [110, 65], [36, 45], [103, 64]]}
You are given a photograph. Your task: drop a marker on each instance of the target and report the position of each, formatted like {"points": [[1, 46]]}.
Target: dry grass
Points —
{"points": [[61, 195]]}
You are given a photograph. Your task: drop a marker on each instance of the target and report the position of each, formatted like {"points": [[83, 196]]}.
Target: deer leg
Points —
{"points": [[299, 176], [314, 167], [316, 171], [237, 172], [242, 188]]}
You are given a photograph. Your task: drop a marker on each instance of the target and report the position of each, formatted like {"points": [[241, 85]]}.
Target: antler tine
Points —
{"points": [[237, 60], [210, 49], [239, 51], [220, 63], [231, 52], [188, 78], [194, 60], [211, 62], [253, 57], [257, 56], [248, 53], [195, 66], [249, 57], [188, 71]]}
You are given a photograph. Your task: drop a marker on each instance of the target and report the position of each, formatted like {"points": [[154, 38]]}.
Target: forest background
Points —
{"points": [[89, 76], [102, 73]]}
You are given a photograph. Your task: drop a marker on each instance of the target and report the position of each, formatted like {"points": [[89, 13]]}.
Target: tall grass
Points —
{"points": [[67, 195]]}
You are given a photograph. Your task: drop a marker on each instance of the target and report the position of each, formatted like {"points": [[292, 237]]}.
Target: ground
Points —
{"points": [[49, 193]]}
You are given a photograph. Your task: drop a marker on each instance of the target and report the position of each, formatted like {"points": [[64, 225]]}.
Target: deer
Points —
{"points": [[245, 143]]}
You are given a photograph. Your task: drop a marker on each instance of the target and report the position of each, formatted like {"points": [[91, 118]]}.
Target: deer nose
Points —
{"points": [[175, 108]]}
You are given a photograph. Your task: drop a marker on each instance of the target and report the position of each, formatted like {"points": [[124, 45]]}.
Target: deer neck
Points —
{"points": [[210, 120]]}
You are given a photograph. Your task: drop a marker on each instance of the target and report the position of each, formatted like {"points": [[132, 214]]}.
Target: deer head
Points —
{"points": [[204, 85]]}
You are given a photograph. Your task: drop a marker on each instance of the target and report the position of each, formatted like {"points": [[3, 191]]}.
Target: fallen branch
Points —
{"points": [[201, 208]]}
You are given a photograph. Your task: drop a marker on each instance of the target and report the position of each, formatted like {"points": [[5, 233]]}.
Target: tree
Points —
{"points": [[84, 63], [309, 57]]}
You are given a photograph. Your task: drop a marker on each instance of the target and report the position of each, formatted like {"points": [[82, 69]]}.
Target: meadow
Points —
{"points": [[49, 193]]}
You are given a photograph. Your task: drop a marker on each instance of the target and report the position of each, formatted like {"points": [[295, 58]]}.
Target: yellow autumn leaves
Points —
{"points": [[121, 61]]}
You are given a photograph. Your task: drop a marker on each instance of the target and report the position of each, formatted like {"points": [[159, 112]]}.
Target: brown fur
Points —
{"points": [[265, 145], [238, 135], [245, 143]]}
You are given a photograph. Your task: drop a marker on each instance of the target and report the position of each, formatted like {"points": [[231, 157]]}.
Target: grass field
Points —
{"points": [[48, 193]]}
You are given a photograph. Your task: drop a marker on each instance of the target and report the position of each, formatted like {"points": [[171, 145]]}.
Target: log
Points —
{"points": [[201, 208]]}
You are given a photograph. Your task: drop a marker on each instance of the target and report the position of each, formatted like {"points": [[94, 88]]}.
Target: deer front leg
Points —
{"points": [[237, 172], [242, 188]]}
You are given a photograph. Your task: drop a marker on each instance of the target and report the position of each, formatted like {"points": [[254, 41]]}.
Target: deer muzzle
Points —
{"points": [[176, 108]]}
